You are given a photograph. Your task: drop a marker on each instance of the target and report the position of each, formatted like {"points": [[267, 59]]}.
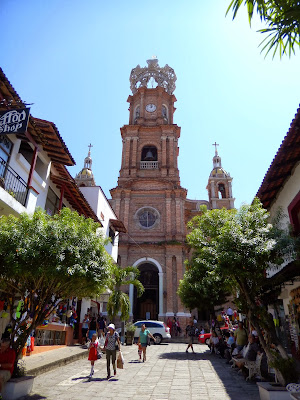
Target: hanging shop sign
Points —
{"points": [[14, 121]]}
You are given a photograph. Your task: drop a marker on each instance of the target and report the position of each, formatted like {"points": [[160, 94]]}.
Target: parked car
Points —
{"points": [[158, 329], [205, 337]]}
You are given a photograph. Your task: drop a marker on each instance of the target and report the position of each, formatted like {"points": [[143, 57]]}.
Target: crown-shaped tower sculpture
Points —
{"points": [[164, 77]]}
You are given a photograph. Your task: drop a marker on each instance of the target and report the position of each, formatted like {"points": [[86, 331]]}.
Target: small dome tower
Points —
{"points": [[219, 185], [85, 176]]}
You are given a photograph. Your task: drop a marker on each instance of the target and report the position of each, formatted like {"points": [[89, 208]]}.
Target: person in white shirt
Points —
{"points": [[214, 341], [229, 312]]}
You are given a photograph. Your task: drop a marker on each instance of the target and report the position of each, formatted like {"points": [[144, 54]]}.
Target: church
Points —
{"points": [[149, 198]]}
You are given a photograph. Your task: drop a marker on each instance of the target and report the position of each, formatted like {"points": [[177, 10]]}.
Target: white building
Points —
{"points": [[111, 226], [280, 190]]}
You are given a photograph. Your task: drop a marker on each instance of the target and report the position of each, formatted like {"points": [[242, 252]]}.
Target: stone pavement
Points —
{"points": [[169, 373]]}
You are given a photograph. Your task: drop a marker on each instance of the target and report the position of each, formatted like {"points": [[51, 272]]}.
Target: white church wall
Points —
{"points": [[100, 205]]}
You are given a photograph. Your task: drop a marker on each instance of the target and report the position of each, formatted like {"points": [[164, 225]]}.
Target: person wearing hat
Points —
{"points": [[7, 360], [112, 343]]}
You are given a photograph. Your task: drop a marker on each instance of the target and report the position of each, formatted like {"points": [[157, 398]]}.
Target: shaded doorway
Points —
{"points": [[146, 306]]}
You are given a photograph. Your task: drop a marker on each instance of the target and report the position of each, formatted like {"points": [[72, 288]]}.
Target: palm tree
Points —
{"points": [[118, 301]]}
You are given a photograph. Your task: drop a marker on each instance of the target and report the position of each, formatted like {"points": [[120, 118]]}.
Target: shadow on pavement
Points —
{"points": [[88, 379], [112, 379], [34, 397], [235, 385], [95, 380], [182, 355]]}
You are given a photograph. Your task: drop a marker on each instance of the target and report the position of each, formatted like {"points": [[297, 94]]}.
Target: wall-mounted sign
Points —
{"points": [[14, 121]]}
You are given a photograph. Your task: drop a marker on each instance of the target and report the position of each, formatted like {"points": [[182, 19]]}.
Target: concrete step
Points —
{"points": [[39, 363]]}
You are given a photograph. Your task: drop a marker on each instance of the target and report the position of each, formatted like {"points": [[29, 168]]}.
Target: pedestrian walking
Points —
{"points": [[94, 347], [178, 327], [101, 326], [85, 328], [140, 350], [169, 325], [112, 343], [190, 332], [143, 339], [92, 328], [174, 327]]}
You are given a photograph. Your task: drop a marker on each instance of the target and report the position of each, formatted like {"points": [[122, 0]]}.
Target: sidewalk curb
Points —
{"points": [[57, 363]]}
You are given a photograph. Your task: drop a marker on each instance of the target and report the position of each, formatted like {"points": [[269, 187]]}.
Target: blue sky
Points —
{"points": [[72, 59]]}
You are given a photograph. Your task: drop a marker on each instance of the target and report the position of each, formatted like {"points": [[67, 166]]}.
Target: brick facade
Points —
{"points": [[152, 204]]}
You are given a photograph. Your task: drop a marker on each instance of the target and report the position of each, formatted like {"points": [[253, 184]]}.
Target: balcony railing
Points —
{"points": [[12, 182], [149, 165]]}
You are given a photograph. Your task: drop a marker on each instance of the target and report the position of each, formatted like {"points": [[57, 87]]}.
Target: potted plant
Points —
{"points": [[130, 329], [274, 390]]}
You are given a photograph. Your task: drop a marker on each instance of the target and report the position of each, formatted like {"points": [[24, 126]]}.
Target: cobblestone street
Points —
{"points": [[168, 373]]}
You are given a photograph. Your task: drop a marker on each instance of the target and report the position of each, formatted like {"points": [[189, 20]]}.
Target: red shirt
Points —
{"points": [[8, 357]]}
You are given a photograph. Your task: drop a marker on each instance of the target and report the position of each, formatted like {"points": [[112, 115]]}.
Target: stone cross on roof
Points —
{"points": [[90, 146], [216, 150]]}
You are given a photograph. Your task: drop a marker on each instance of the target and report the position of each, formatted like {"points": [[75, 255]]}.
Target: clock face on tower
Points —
{"points": [[150, 107]]}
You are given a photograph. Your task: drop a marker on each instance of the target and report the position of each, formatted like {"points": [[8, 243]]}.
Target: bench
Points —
{"points": [[253, 366], [236, 361], [293, 387]]}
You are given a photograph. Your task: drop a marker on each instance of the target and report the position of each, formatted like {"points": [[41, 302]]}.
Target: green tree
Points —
{"points": [[240, 246], [47, 259], [201, 288], [282, 18], [118, 300]]}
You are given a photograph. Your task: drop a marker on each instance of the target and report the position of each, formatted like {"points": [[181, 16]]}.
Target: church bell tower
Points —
{"points": [[219, 185], [150, 140], [85, 177], [148, 197]]}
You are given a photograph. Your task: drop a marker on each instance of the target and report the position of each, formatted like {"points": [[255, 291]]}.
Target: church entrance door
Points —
{"points": [[146, 306]]}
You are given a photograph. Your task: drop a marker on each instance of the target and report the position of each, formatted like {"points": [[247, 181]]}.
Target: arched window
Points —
{"points": [[149, 153], [221, 190], [217, 161], [164, 112]]}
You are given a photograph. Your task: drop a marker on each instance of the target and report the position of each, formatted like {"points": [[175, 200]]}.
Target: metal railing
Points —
{"points": [[149, 165], [12, 182]]}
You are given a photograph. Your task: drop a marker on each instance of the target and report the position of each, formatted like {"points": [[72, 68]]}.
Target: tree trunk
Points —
{"points": [[266, 347], [269, 328]]}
